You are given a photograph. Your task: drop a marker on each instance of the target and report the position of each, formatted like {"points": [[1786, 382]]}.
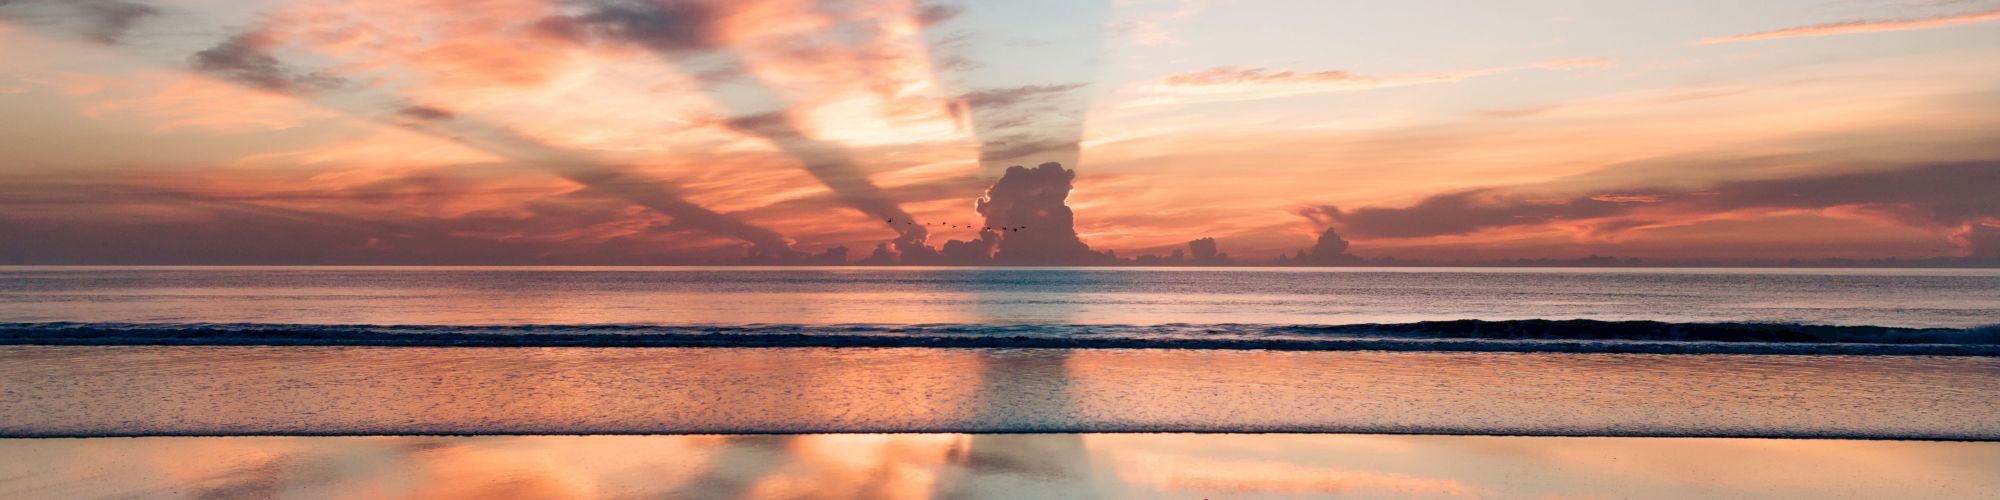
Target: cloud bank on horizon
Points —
{"points": [[1039, 132]]}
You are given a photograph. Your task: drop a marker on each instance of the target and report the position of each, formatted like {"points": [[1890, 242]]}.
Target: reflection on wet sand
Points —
{"points": [[1040, 465], [1031, 391], [114, 391], [843, 466]]}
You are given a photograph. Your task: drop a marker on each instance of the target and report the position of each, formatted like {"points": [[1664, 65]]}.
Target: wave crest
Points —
{"points": [[1574, 335]]}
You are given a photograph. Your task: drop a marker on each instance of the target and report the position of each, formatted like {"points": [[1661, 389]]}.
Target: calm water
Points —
{"points": [[674, 296]]}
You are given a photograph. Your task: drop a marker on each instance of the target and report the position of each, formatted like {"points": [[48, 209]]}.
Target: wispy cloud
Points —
{"points": [[1234, 83], [1861, 26]]}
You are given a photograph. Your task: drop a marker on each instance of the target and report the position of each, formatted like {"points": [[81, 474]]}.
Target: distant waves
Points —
{"points": [[1583, 336]]}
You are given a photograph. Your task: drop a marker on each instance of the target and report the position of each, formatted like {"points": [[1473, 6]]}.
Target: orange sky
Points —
{"points": [[642, 131]]}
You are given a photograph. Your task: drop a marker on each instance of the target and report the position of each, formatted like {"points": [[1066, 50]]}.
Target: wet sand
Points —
{"points": [[994, 466], [141, 391]]}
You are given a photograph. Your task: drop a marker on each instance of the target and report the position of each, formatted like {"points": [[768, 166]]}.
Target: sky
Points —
{"points": [[797, 131]]}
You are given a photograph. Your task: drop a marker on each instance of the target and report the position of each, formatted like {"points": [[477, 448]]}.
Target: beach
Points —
{"points": [[997, 383], [895, 466]]}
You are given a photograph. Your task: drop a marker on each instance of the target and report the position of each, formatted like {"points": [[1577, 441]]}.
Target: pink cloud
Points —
{"points": [[1575, 63], [1234, 83], [1862, 26]]}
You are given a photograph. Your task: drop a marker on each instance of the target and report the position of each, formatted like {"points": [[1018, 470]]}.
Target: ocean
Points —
{"points": [[1854, 353], [1910, 298]]}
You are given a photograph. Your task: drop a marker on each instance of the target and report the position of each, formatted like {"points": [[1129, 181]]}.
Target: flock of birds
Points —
{"points": [[968, 226]]}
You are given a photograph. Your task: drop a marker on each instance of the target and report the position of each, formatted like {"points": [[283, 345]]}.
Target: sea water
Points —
{"points": [[227, 351]]}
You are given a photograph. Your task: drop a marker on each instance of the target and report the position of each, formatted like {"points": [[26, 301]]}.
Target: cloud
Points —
{"points": [[1015, 96], [667, 27], [1329, 249], [1459, 212], [934, 14], [1952, 197], [1576, 63], [1237, 83], [678, 31], [426, 113], [1861, 26], [101, 21], [831, 164], [1231, 76], [195, 102], [1028, 123], [1981, 240], [388, 221], [246, 59], [1033, 110], [1205, 251], [1027, 208], [110, 19]]}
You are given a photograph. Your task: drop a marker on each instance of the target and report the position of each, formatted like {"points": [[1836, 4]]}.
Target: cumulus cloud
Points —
{"points": [[1861, 26], [1329, 249], [1027, 209], [1203, 249], [1955, 197]]}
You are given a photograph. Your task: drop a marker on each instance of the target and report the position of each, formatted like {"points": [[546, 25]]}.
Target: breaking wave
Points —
{"points": [[1591, 336]]}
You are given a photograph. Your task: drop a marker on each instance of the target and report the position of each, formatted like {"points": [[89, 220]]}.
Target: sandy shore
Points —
{"points": [[994, 466]]}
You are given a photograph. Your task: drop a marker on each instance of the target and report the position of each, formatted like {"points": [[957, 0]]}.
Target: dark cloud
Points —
{"points": [[830, 257], [1206, 251], [1035, 200], [1981, 240], [426, 113], [246, 59], [1459, 213], [1203, 248], [667, 26], [1027, 222], [1935, 196], [1331, 249], [101, 21], [109, 20], [933, 14], [107, 223]]}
